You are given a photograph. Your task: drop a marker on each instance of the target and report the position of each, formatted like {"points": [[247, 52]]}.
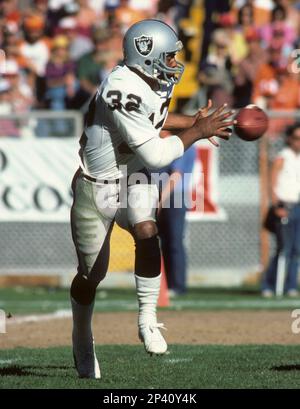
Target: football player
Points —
{"points": [[121, 141]]}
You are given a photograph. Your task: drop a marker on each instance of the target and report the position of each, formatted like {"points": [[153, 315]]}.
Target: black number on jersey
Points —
{"points": [[116, 97], [133, 103], [164, 107], [151, 117]]}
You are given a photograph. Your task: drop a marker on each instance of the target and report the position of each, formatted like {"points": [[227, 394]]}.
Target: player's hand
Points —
{"points": [[202, 113], [215, 124]]}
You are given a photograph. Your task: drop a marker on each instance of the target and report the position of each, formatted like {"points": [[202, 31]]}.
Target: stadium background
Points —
{"points": [[233, 174], [226, 244]]}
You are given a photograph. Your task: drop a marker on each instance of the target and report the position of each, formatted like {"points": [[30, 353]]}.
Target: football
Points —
{"points": [[252, 123]]}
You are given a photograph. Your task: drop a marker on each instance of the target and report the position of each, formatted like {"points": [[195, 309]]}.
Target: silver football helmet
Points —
{"points": [[146, 45]]}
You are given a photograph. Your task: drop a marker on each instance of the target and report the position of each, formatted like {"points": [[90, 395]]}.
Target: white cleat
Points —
{"points": [[153, 341], [86, 361]]}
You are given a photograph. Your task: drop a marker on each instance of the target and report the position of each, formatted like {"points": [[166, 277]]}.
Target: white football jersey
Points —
{"points": [[125, 113]]}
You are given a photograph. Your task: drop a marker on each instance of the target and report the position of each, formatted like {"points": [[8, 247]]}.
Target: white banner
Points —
{"points": [[35, 179], [36, 176]]}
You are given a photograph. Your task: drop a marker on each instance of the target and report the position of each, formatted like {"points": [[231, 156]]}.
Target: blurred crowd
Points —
{"points": [[59, 51], [249, 55]]}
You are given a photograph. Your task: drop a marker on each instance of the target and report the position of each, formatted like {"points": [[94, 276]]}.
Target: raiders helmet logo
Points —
{"points": [[143, 45]]}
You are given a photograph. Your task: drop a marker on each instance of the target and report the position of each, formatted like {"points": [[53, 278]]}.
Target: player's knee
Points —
{"points": [[145, 230], [83, 290]]}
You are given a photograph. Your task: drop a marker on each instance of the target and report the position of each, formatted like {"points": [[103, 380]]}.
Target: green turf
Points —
{"points": [[124, 366], [21, 300]]}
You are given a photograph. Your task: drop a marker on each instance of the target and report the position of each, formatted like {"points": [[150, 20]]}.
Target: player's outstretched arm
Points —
{"points": [[168, 149], [215, 124], [181, 121], [178, 121]]}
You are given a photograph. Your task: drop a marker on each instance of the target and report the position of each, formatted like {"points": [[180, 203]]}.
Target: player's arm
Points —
{"points": [[178, 121], [181, 122], [129, 114], [205, 127], [159, 152]]}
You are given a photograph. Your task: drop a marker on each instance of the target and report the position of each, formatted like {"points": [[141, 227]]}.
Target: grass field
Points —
{"points": [[126, 366], [22, 300]]}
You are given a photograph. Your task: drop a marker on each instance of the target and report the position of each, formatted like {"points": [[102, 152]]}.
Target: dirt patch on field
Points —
{"points": [[230, 327]]}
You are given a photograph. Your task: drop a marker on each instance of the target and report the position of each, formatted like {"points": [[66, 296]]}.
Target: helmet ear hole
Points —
{"points": [[148, 62]]}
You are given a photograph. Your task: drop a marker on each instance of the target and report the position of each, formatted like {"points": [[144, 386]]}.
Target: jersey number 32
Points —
{"points": [[115, 97]]}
